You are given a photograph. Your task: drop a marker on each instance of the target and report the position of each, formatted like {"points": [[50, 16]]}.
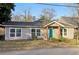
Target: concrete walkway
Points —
{"points": [[51, 51]]}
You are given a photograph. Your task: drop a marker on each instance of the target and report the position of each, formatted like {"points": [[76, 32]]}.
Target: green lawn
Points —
{"points": [[34, 44]]}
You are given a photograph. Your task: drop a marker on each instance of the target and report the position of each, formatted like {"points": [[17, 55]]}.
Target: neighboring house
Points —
{"points": [[74, 22], [26, 30]]}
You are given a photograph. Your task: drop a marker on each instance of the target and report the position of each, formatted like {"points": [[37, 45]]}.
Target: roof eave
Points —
{"points": [[20, 26]]}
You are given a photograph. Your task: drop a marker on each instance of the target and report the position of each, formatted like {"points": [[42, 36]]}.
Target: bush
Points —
{"points": [[2, 37], [60, 40], [54, 40], [34, 38]]}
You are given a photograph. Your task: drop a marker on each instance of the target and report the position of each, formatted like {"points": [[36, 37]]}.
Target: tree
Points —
{"points": [[5, 11], [17, 18], [27, 15], [47, 15], [77, 9], [72, 10]]}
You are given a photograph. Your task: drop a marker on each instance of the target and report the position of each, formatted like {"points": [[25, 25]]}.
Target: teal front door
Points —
{"points": [[50, 33]]}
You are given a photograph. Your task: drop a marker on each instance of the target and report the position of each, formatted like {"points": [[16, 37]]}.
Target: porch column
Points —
{"points": [[62, 32], [59, 32], [45, 33]]}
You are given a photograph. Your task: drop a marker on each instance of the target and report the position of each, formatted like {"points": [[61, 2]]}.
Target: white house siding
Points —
{"points": [[6, 33], [70, 33], [25, 34]]}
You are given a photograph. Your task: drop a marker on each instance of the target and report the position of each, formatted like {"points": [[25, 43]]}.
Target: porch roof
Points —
{"points": [[61, 24]]}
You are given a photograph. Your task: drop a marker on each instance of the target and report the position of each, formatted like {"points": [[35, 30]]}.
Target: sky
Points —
{"points": [[37, 8]]}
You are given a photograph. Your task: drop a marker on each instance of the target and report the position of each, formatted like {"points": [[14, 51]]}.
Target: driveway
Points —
{"points": [[51, 51]]}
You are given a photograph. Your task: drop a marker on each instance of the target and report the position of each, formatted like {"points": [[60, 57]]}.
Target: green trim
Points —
{"points": [[50, 33], [53, 33]]}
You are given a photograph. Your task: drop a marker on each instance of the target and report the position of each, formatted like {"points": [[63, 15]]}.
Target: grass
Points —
{"points": [[34, 44]]}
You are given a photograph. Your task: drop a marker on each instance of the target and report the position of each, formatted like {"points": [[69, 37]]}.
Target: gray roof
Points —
{"points": [[24, 24], [67, 25], [66, 21], [74, 21]]}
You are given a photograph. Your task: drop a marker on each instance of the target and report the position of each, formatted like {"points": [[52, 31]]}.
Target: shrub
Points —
{"points": [[2, 37], [34, 38], [60, 40]]}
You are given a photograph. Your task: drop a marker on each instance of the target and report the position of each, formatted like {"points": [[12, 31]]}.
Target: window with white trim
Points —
{"points": [[35, 32], [12, 32], [65, 31], [15, 32], [38, 32], [18, 32]]}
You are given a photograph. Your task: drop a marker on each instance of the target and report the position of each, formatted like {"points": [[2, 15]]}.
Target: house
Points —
{"points": [[64, 28]]}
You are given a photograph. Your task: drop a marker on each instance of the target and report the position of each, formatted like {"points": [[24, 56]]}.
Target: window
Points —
{"points": [[38, 32], [16, 32], [12, 32], [65, 31], [33, 32]]}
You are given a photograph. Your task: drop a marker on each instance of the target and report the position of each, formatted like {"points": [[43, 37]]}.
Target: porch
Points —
{"points": [[55, 32]]}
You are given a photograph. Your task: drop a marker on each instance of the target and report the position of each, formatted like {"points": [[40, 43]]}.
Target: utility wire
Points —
{"points": [[57, 5]]}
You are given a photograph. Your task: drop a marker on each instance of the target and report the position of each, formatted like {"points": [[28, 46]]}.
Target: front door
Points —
{"points": [[50, 33], [53, 32]]}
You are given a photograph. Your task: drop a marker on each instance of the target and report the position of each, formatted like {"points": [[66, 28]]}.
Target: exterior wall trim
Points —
{"points": [[15, 33], [55, 22]]}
